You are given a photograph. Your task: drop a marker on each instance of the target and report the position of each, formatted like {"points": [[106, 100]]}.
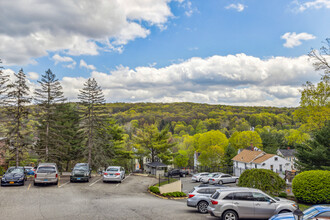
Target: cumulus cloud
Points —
{"points": [[31, 29], [239, 7], [233, 79], [59, 59], [316, 4], [84, 64], [293, 39]]}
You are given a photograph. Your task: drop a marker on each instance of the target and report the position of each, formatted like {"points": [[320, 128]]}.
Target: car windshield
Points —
{"points": [[309, 212], [112, 169], [80, 168], [216, 176], [15, 170], [46, 170]]}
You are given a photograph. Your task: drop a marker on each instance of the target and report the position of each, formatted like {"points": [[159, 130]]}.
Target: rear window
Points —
{"points": [[112, 169], [46, 170], [215, 195]]}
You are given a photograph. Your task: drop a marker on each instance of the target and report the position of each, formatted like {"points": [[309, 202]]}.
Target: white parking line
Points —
{"points": [[124, 179], [95, 182], [63, 184]]}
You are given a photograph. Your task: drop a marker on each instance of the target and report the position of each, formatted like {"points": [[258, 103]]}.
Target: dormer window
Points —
{"points": [[276, 158], [263, 164]]}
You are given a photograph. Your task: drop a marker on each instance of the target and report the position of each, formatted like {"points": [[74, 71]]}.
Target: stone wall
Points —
{"points": [[2, 151]]}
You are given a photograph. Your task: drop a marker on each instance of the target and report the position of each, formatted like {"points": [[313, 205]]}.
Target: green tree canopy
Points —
{"points": [[244, 139]]}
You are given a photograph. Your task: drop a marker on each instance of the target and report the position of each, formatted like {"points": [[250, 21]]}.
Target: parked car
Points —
{"points": [[46, 173], [223, 178], [319, 212], [114, 173], [197, 177], [177, 172], [81, 172], [29, 170], [205, 179], [247, 203], [14, 176], [199, 197]]}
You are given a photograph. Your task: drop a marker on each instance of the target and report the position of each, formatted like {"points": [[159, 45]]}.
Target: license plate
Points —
{"points": [[78, 178], [11, 182], [111, 174], [45, 179]]}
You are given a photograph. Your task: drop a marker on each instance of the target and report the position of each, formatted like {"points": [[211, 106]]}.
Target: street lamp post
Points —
{"points": [[298, 214]]}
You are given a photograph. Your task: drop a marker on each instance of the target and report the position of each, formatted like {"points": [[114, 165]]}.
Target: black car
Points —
{"points": [[177, 172], [14, 176], [81, 172]]}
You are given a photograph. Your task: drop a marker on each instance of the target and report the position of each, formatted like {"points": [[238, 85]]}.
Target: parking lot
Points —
{"points": [[93, 200]]}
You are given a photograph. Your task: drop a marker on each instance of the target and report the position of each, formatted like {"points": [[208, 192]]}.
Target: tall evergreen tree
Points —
{"points": [[92, 112], [47, 96], [3, 87], [17, 99]]}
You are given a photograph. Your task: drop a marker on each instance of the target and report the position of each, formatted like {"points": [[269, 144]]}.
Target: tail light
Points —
{"points": [[105, 173], [35, 176], [191, 195], [212, 179], [117, 174], [56, 175], [214, 202]]}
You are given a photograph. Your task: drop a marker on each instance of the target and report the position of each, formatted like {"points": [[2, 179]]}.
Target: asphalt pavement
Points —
{"points": [[92, 200]]}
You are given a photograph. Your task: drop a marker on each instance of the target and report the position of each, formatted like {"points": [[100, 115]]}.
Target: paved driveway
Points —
{"points": [[92, 200]]}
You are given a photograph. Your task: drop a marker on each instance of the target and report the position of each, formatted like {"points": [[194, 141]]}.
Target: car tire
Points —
{"points": [[202, 207], [87, 180], [220, 182], [236, 180], [35, 184], [229, 215], [56, 183]]}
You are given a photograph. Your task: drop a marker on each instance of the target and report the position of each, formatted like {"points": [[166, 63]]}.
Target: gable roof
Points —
{"points": [[247, 156], [156, 164], [263, 158], [287, 152]]}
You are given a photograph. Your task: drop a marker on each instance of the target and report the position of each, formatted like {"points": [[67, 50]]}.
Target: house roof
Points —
{"points": [[263, 158], [156, 164], [287, 152], [248, 156]]}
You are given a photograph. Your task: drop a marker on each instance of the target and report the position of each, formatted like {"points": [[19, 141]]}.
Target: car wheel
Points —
{"points": [[87, 180], [35, 184], [236, 180], [229, 215], [220, 182], [202, 207]]}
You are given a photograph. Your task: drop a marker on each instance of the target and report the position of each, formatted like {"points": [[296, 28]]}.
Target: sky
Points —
{"points": [[232, 52]]}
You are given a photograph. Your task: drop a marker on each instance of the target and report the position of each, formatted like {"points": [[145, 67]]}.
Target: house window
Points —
{"points": [[272, 167], [263, 164], [276, 158], [245, 166], [255, 165], [281, 168]]}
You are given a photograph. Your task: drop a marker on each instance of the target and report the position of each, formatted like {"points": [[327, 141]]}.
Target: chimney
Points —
{"points": [[252, 148], [288, 148]]}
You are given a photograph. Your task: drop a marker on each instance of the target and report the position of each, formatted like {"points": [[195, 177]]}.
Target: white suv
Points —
{"points": [[46, 173]]}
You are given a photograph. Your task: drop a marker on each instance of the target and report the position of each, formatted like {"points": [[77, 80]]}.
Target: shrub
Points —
{"points": [[265, 180], [154, 189], [312, 186], [175, 194], [283, 195], [2, 171]]}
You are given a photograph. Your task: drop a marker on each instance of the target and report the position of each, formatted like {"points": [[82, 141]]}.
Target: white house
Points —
{"points": [[288, 154], [248, 159]]}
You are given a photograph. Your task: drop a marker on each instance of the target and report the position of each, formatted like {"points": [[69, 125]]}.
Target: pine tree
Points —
{"points": [[3, 87], [17, 99], [47, 96], [92, 112]]}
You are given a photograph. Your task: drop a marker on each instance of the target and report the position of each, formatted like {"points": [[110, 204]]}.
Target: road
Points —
{"points": [[92, 200]]}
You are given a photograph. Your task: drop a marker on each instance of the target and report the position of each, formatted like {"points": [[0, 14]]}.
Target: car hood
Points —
{"points": [[282, 200], [283, 216], [13, 175]]}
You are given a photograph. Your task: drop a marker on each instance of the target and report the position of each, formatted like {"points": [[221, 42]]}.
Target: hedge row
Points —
{"points": [[154, 189], [312, 187], [175, 194]]}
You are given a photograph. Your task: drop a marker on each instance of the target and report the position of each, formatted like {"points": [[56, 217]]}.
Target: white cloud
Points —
{"points": [[84, 64], [316, 4], [59, 59], [31, 29], [293, 39], [32, 75], [239, 7], [233, 79]]}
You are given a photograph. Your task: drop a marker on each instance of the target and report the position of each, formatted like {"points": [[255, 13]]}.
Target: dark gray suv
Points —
{"points": [[199, 197], [81, 172]]}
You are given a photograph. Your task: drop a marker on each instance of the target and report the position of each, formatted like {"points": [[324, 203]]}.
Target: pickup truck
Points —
{"points": [[177, 172]]}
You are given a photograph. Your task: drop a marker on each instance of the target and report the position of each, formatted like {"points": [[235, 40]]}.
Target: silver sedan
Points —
{"points": [[114, 173], [223, 178]]}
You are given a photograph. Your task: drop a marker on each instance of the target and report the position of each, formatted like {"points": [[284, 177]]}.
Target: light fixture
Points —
{"points": [[298, 214]]}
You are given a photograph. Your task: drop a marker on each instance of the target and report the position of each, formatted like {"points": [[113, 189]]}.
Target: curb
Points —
{"points": [[163, 197]]}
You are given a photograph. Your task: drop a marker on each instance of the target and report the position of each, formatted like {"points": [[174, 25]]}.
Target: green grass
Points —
{"points": [[303, 207], [172, 180]]}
